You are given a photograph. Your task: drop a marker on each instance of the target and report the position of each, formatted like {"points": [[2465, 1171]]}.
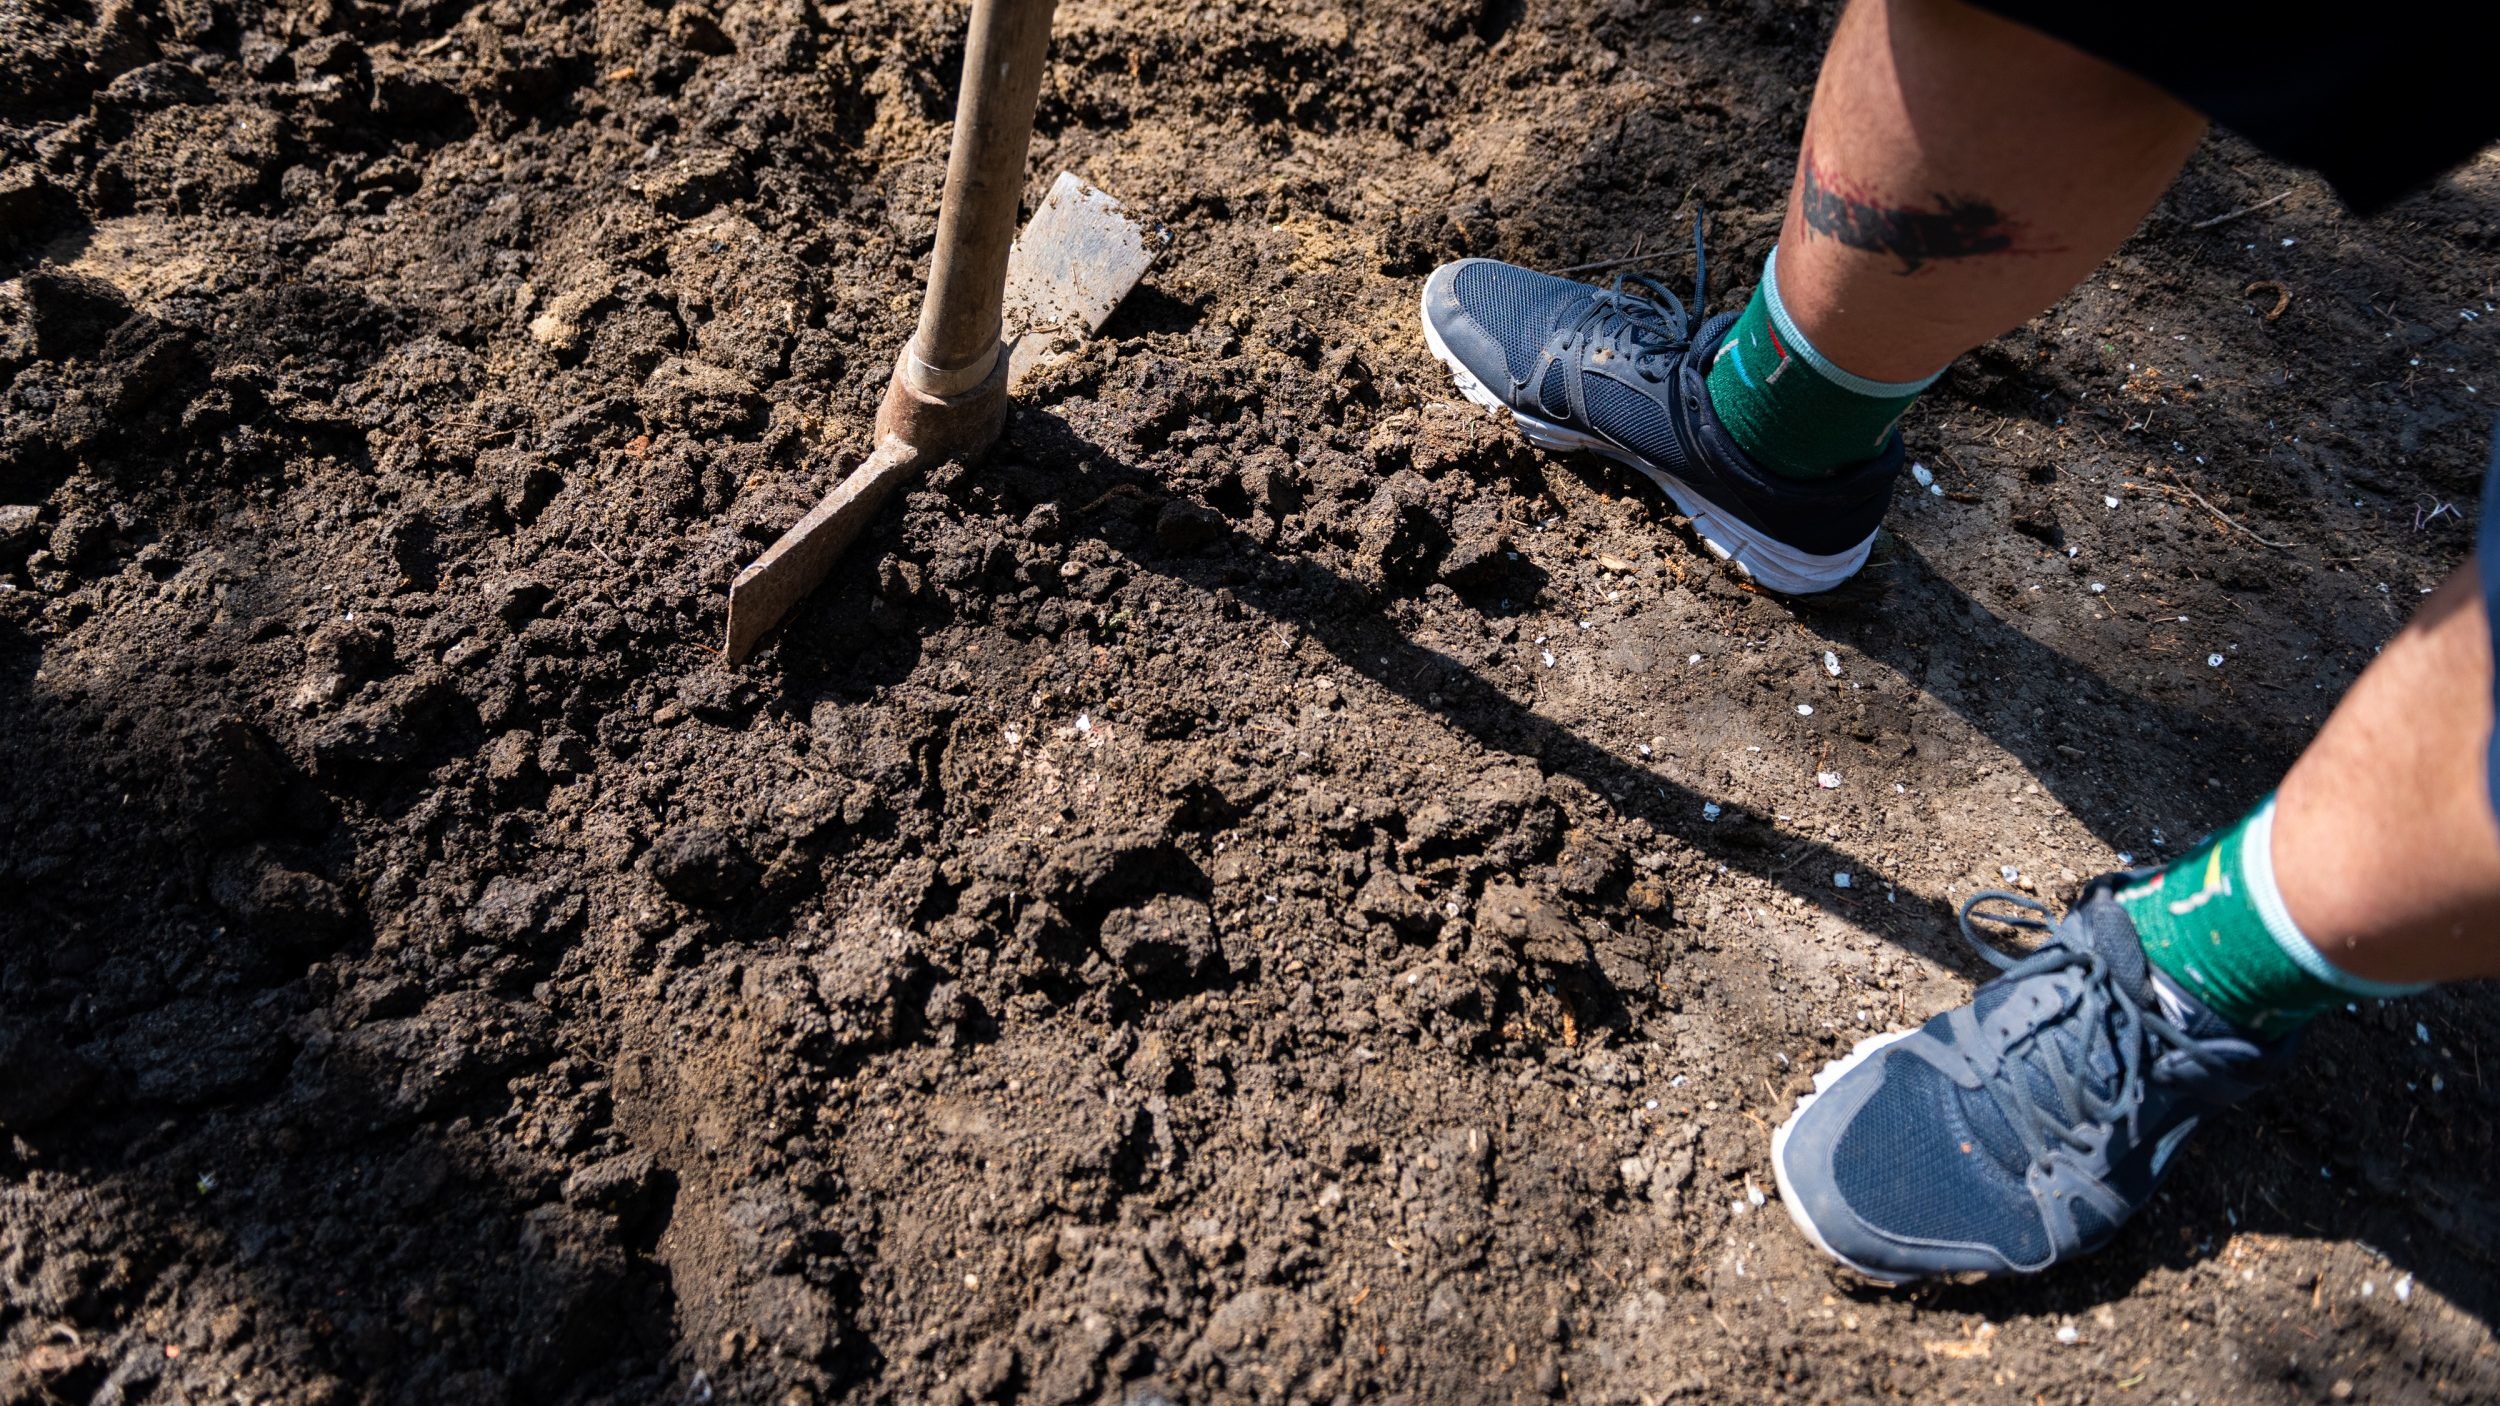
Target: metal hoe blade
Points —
{"points": [[800, 561], [1078, 257]]}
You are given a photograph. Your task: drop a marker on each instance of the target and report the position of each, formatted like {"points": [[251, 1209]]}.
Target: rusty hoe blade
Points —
{"points": [[1077, 258], [795, 565], [948, 395]]}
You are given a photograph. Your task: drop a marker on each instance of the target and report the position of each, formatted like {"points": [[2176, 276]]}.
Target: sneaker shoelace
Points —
{"points": [[2076, 1105], [1640, 321]]}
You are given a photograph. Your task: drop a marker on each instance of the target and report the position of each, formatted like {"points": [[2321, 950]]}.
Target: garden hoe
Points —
{"points": [[948, 397]]}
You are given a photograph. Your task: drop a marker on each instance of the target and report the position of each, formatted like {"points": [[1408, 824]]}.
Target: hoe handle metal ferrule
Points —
{"points": [[958, 339]]}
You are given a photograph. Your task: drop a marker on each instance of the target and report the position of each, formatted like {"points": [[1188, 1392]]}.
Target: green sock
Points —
{"points": [[1796, 413], [2215, 924]]}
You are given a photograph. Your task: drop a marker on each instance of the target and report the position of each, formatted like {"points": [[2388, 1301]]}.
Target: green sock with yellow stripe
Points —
{"points": [[1787, 405], [2214, 923]]}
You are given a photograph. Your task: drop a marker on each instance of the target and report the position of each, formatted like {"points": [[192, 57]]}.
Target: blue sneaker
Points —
{"points": [[1619, 370], [2024, 1128]]}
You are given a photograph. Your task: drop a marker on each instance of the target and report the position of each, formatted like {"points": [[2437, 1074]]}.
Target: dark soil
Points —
{"points": [[1216, 903]]}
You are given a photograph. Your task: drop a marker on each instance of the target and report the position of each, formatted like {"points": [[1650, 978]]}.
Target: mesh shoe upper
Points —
{"points": [[1625, 364], [2026, 1127], [1519, 308]]}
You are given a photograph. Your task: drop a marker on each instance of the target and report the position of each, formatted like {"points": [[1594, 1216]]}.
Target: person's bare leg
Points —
{"points": [[2384, 843], [1959, 174]]}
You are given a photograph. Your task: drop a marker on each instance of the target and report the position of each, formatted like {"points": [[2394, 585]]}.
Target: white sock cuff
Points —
{"points": [[1797, 343], [2257, 867]]}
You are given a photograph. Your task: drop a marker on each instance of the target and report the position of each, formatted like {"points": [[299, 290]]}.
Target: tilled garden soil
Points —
{"points": [[1266, 890]]}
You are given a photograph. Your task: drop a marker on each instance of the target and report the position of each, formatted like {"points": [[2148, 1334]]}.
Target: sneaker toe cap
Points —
{"points": [[1461, 333], [1919, 1210], [1498, 317]]}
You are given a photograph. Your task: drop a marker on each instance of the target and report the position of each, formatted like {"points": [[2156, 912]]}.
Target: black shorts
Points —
{"points": [[2378, 98]]}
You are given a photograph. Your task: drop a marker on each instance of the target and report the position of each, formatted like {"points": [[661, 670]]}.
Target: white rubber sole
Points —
{"points": [[1831, 1074], [1775, 565]]}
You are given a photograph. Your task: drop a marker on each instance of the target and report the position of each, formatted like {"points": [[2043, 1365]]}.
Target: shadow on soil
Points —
{"points": [[175, 1045], [2426, 1224]]}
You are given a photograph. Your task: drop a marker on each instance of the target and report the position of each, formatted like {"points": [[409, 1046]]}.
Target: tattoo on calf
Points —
{"points": [[1955, 228]]}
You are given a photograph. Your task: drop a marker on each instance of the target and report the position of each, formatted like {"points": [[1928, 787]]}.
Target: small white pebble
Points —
{"points": [[2009, 873], [1841, 879], [1828, 780], [1805, 710], [2213, 661], [1085, 724], [2098, 588], [1710, 810], [2421, 1032], [2107, 501], [1694, 660], [2404, 1289], [1922, 474], [1548, 656], [1831, 663], [2066, 1334], [2125, 860]]}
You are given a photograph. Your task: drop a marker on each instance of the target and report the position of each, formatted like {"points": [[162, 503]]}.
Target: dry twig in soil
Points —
{"points": [[2228, 216], [2226, 518]]}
